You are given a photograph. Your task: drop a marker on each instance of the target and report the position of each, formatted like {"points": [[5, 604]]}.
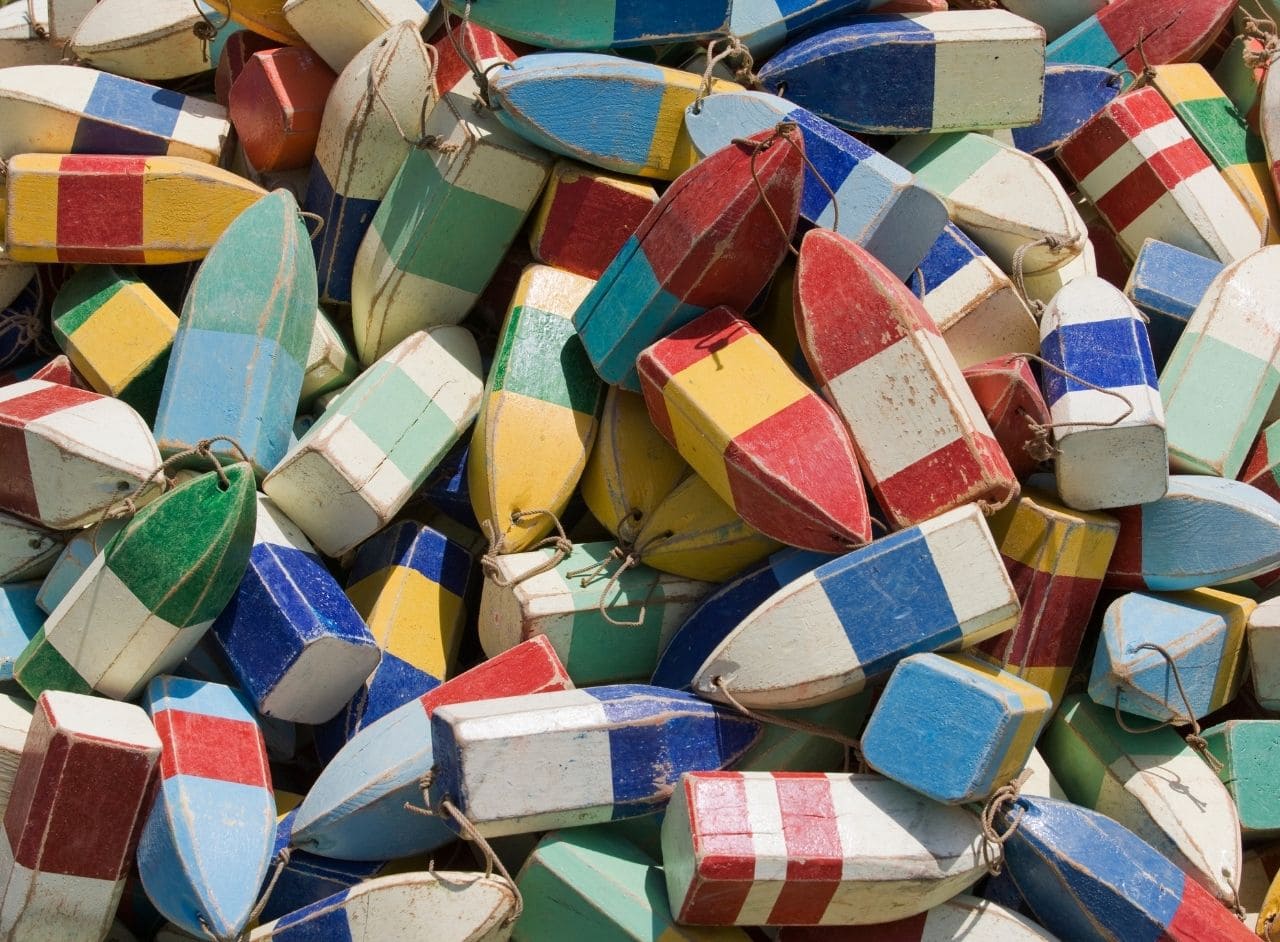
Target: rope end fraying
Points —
{"points": [[993, 838]]}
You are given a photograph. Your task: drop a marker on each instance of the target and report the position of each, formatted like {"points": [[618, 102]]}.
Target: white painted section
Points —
{"points": [[873, 400], [96, 718], [1264, 653], [973, 573], [272, 527], [15, 720], [52, 907], [26, 550], [339, 29], [1218, 215], [987, 64], [147, 40]]}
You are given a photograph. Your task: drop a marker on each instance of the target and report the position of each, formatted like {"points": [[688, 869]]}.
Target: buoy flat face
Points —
{"points": [[1240, 745], [86, 769], [1167, 284], [1264, 639], [854, 637], [1057, 558], [1199, 633], [1149, 179], [761, 848]]}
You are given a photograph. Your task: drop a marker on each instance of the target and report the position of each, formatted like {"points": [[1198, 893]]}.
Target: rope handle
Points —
{"points": [[1041, 447], [480, 75], [1194, 739], [994, 839], [206, 30], [784, 130], [852, 747], [561, 543]]}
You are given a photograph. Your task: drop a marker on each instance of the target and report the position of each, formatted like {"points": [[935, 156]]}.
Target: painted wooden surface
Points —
{"points": [[1237, 151], [583, 756], [780, 749], [761, 848], [73, 110], [276, 105], [1234, 332], [1238, 536], [1259, 890], [20, 619], [594, 883], [961, 917], [921, 438], [694, 534], [27, 550], [1090, 879], [85, 770], [330, 364], [238, 356], [876, 203], [1072, 95], [359, 149], [538, 422], [541, 97], [15, 724], [450, 906], [127, 619], [862, 617], [117, 333], [1009, 396], [265, 17], [238, 49], [74, 558], [1152, 783], [598, 24], [585, 217], [565, 608], [1169, 32], [24, 32], [1110, 446], [1263, 634], [1056, 558], [1241, 80], [451, 212], [70, 453], [768, 446], [841, 72], [355, 809], [1167, 284], [114, 209], [1001, 197], [1245, 748], [337, 30], [377, 442], [715, 237], [1149, 179], [763, 26], [1042, 286], [152, 40], [204, 849], [720, 611], [291, 637], [971, 301], [1203, 630], [994, 718]]}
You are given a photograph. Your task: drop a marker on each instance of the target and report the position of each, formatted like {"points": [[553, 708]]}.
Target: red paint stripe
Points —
{"points": [[17, 482], [795, 477], [482, 45], [1177, 31], [1180, 162], [212, 747], [848, 306], [959, 473], [530, 667], [1131, 197], [1200, 917], [100, 208], [703, 337], [1056, 609], [1140, 111], [22, 410], [1096, 141], [815, 860], [77, 802], [901, 930], [1260, 468], [588, 222], [1010, 401], [1125, 569], [723, 851], [712, 239]]}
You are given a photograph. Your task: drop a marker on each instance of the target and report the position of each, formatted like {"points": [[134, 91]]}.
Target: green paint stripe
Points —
{"points": [[82, 296], [259, 278], [951, 160], [42, 667], [1205, 380], [1221, 131], [1075, 765], [403, 423], [143, 391], [443, 232], [184, 554], [541, 356]]}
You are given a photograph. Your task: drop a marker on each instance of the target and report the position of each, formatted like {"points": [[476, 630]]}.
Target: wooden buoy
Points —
{"points": [[276, 105]]}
